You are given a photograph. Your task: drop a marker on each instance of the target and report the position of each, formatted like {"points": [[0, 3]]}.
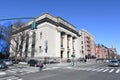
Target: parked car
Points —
{"points": [[8, 62], [33, 62], [3, 66], [54, 61], [119, 60], [15, 61], [114, 63], [68, 60], [106, 61]]}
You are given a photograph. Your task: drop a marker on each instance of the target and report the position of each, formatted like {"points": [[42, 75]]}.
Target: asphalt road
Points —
{"points": [[64, 72], [77, 74]]}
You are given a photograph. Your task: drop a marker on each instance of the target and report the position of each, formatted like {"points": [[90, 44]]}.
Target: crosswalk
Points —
{"points": [[28, 70], [100, 69], [22, 71], [11, 78]]}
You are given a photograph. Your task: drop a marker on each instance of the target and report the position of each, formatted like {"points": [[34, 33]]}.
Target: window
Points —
{"points": [[33, 44], [68, 40], [40, 35], [82, 47], [82, 52], [27, 44], [62, 41], [81, 42], [40, 49], [73, 43], [98, 56]]}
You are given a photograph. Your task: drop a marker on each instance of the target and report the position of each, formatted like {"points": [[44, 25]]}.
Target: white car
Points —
{"points": [[114, 63], [8, 62]]}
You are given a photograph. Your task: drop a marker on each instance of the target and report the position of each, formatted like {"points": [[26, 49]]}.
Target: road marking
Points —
{"points": [[96, 69], [82, 68], [69, 67], [105, 70], [111, 70], [100, 70], [117, 71], [88, 69], [2, 73], [11, 78], [51, 68]]}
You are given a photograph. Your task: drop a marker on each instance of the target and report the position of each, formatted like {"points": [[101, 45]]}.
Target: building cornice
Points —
{"points": [[57, 21], [85, 31]]}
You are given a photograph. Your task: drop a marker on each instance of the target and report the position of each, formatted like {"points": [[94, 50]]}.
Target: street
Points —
{"points": [[83, 71]]}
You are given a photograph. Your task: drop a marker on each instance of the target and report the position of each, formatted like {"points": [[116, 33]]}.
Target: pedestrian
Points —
{"points": [[85, 60], [45, 63], [40, 66]]}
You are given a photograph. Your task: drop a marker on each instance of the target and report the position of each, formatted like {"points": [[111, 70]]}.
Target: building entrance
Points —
{"points": [[61, 55]]}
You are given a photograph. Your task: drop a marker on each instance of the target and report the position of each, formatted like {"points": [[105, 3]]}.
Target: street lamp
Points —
{"points": [[73, 56]]}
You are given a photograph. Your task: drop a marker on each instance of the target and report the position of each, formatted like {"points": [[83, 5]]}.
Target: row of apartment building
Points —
{"points": [[102, 52], [55, 38]]}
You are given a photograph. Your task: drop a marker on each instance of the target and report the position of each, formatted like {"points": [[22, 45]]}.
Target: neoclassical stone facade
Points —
{"points": [[54, 37]]}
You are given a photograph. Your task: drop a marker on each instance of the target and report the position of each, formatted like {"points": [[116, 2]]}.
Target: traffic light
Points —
{"points": [[34, 26]]}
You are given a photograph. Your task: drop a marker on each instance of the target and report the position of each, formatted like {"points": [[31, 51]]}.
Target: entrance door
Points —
{"points": [[61, 55]]}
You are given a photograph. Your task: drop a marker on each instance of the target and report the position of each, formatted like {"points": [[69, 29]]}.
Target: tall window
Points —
{"points": [[82, 52], [33, 44], [40, 49], [68, 40], [82, 47], [81, 42], [62, 41], [73, 43], [40, 35], [27, 44]]}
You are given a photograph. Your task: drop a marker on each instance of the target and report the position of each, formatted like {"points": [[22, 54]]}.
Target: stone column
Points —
{"points": [[65, 46], [71, 46], [58, 44]]}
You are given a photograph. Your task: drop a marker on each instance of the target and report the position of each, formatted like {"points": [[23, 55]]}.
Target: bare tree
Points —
{"points": [[19, 39]]}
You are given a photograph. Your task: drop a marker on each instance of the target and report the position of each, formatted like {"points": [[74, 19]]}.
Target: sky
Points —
{"points": [[101, 18]]}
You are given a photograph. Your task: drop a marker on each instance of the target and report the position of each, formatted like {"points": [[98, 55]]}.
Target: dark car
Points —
{"points": [[119, 60], [33, 62], [68, 60], [3, 66], [15, 61]]}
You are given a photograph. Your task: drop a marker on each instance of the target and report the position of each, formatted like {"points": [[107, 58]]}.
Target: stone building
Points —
{"points": [[53, 38]]}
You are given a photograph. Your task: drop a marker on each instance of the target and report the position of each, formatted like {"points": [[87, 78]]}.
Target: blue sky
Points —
{"points": [[100, 17]]}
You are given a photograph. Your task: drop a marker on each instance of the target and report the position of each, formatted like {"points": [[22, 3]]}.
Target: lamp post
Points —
{"points": [[73, 61]]}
